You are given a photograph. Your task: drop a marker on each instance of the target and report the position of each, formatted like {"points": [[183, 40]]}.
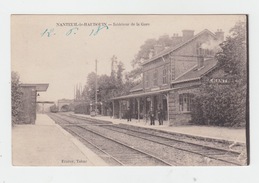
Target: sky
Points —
{"points": [[61, 49]]}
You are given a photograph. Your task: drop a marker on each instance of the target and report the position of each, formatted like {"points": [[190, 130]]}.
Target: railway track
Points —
{"points": [[120, 153], [219, 154], [221, 144], [210, 153], [77, 120]]}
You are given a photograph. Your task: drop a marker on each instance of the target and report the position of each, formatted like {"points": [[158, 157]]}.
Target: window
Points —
{"points": [[185, 102], [165, 75], [155, 77], [147, 79], [172, 70]]}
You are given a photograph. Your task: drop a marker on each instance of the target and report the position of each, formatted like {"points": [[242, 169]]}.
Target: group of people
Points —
{"points": [[160, 115], [152, 115]]}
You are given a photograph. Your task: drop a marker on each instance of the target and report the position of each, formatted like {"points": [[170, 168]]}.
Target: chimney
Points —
{"points": [[219, 35], [176, 39], [187, 34], [158, 48], [200, 59]]}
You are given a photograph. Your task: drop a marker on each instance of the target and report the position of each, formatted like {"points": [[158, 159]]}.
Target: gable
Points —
{"points": [[205, 40], [181, 45], [185, 58]]}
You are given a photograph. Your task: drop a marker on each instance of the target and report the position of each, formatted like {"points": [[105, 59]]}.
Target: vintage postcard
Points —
{"points": [[129, 90]]}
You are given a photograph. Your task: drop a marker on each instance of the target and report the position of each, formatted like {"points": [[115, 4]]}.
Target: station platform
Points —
{"points": [[47, 144], [233, 135]]}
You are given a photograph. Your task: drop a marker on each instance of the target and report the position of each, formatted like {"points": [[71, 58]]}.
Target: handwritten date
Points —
{"points": [[50, 32]]}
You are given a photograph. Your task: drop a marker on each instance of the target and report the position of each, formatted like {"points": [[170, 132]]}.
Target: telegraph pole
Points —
{"points": [[95, 87]]}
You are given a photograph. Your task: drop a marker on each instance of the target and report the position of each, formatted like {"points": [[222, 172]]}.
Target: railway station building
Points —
{"points": [[171, 77]]}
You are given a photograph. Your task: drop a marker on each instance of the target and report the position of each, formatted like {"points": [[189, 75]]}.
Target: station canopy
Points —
{"points": [[40, 87]]}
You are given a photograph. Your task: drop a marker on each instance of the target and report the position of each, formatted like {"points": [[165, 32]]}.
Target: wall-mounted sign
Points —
{"points": [[221, 80]]}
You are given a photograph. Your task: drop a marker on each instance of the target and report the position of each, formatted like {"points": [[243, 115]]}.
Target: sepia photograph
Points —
{"points": [[129, 90]]}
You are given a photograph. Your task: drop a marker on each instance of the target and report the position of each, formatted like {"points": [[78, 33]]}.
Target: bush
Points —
{"points": [[82, 109], [225, 105], [16, 96], [220, 105]]}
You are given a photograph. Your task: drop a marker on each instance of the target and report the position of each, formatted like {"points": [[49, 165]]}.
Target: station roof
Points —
{"points": [[143, 94], [45, 102], [65, 100], [137, 87], [40, 87], [197, 73]]}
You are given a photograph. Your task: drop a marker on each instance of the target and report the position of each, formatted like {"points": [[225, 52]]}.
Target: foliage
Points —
{"points": [[89, 89], [145, 50], [143, 53], [135, 74], [225, 105], [82, 109], [106, 86], [219, 105], [117, 84], [119, 79], [233, 56], [149, 46], [16, 96]]}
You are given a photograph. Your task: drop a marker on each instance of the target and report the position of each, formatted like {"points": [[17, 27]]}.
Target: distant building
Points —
{"points": [[65, 105], [171, 76]]}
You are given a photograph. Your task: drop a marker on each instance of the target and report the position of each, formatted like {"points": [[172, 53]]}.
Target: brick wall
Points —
{"points": [[176, 116], [150, 68], [178, 62], [183, 63]]}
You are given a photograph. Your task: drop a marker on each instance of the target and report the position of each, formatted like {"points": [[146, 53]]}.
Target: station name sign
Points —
{"points": [[222, 81]]}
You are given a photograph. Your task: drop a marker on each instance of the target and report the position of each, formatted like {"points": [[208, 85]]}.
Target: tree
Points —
{"points": [[165, 41], [108, 87], [143, 53], [105, 88], [89, 89], [233, 59], [233, 56], [149, 45], [129, 84], [120, 73], [135, 74], [113, 70], [226, 104], [16, 96], [147, 49]]}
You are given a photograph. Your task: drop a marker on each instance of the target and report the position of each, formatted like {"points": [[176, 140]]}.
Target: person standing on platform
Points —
{"points": [[160, 115], [129, 114], [152, 116], [110, 112]]}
